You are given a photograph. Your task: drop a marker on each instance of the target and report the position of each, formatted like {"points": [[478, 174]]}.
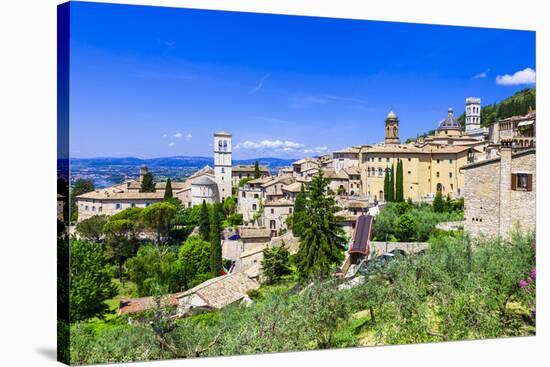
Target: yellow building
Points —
{"points": [[427, 168]]}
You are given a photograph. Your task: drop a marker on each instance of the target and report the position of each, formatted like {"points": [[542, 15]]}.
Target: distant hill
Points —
{"points": [[176, 161], [515, 105]]}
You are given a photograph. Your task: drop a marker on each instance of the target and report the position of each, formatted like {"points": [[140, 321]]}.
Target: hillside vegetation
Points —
{"points": [[516, 105]]}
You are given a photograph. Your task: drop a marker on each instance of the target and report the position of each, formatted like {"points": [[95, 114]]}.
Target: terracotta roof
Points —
{"points": [[293, 187], [305, 160], [394, 148], [133, 305], [224, 290], [222, 133], [450, 149], [348, 150], [353, 170], [283, 180], [254, 232], [332, 174], [261, 180], [203, 171], [248, 168], [107, 194], [279, 202]]}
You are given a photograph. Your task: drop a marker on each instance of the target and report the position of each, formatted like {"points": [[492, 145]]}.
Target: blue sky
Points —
{"points": [[153, 82]]}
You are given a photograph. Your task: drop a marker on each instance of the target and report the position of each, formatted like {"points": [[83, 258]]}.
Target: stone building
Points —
{"points": [[346, 158], [392, 128], [246, 171], [500, 193], [429, 165], [276, 212]]}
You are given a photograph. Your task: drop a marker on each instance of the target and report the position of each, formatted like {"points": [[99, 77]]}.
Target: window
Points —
{"points": [[118, 206], [450, 175], [86, 208], [438, 161], [133, 205], [380, 172], [452, 187], [93, 208], [223, 169], [272, 224], [272, 211], [100, 209], [408, 172], [522, 182], [254, 206], [379, 159], [409, 159], [437, 174], [290, 210], [256, 196], [387, 160], [450, 161], [243, 194]]}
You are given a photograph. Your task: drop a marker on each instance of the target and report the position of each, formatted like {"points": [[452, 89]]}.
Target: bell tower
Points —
{"points": [[222, 163], [392, 128]]}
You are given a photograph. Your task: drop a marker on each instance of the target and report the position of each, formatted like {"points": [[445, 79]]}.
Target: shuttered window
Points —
{"points": [[522, 182]]}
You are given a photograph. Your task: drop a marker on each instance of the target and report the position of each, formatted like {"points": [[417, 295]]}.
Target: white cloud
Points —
{"points": [[269, 144], [185, 136], [171, 144], [525, 76], [316, 150], [164, 135], [260, 83], [481, 75]]}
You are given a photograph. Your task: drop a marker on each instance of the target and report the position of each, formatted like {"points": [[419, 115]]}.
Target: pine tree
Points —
{"points": [[215, 243], [204, 222], [391, 188], [399, 182], [298, 212], [147, 184], [168, 190], [386, 185], [257, 172], [321, 244]]}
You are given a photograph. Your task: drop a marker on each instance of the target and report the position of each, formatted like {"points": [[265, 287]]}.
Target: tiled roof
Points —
{"points": [[293, 187], [394, 148], [224, 290], [279, 202], [332, 174], [348, 150], [248, 168], [107, 194], [133, 305], [254, 232], [353, 170]]}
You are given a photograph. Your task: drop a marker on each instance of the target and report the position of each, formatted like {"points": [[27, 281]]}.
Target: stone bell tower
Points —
{"points": [[392, 128], [222, 163]]}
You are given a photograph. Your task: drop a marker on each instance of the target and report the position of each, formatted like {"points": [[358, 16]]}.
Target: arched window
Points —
{"points": [[225, 145], [220, 144], [380, 172], [394, 131]]}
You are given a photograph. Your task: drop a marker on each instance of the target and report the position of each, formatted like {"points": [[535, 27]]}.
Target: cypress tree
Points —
{"points": [[298, 212], [386, 185], [438, 204], [204, 222], [168, 190], [399, 182], [257, 172], [391, 189], [215, 243], [147, 184], [322, 242]]}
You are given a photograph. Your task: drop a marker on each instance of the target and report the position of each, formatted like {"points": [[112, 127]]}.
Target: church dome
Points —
{"points": [[203, 180], [450, 123]]}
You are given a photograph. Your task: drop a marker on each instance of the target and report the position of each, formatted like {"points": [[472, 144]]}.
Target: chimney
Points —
{"points": [[143, 170]]}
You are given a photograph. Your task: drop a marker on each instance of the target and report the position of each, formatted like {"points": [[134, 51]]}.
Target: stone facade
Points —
{"points": [[494, 202]]}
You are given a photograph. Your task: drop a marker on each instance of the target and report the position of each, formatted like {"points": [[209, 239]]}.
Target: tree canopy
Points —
{"points": [[322, 241], [147, 183], [90, 281]]}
